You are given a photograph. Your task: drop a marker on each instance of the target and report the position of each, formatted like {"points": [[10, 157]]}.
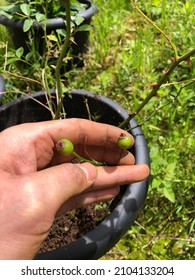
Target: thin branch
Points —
{"points": [[47, 93], [34, 99], [24, 78], [158, 28], [59, 90], [161, 81], [162, 106], [187, 82]]}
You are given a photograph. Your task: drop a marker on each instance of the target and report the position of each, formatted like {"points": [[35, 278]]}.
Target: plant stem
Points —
{"points": [[92, 161], [160, 107], [59, 89], [161, 81]]}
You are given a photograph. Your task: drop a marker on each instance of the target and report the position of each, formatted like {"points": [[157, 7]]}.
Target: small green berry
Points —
{"points": [[124, 141], [64, 147]]}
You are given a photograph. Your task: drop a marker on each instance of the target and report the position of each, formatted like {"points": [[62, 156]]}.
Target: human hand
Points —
{"points": [[37, 183]]}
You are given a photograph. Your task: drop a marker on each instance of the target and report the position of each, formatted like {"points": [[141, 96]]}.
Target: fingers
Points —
{"points": [[58, 184], [120, 175], [107, 185], [87, 198], [33, 144], [81, 131]]}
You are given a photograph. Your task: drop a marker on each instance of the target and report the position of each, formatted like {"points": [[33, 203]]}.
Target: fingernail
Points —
{"points": [[90, 171]]}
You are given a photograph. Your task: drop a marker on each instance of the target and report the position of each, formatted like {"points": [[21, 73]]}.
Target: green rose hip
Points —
{"points": [[124, 141], [64, 147]]}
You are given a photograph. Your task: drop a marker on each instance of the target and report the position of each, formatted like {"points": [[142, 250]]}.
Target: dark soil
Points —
{"points": [[76, 223], [72, 225]]}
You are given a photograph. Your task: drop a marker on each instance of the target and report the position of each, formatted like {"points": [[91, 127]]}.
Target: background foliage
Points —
{"points": [[127, 55]]}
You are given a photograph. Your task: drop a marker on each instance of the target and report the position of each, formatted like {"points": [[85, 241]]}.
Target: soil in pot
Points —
{"points": [[70, 226]]}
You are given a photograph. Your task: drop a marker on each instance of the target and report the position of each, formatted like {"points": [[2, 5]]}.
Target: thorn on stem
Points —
{"points": [[188, 60], [153, 85]]}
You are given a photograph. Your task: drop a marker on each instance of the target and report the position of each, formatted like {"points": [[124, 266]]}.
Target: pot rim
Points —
{"points": [[2, 87]]}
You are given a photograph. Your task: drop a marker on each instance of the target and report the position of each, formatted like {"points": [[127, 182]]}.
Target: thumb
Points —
{"points": [[59, 183], [30, 207]]}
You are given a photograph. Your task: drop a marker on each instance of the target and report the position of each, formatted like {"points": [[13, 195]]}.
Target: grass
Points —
{"points": [[126, 56]]}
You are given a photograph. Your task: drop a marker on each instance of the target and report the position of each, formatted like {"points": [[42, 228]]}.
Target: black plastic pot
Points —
{"points": [[81, 38], [100, 240], [2, 87]]}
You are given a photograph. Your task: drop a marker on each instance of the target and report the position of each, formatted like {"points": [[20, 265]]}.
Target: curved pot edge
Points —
{"points": [[2, 87]]}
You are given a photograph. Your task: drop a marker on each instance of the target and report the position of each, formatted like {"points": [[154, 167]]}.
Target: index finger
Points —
{"points": [[82, 131]]}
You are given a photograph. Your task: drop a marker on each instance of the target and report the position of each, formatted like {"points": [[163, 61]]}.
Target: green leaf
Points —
{"points": [[27, 24], [19, 52], [84, 27], [156, 183], [11, 60], [25, 8], [40, 17], [61, 32], [7, 8], [192, 227], [168, 192], [78, 20], [52, 38], [3, 13], [170, 171], [29, 56]]}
